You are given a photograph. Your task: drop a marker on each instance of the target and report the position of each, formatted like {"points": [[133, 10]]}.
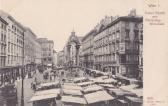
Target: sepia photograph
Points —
{"points": [[71, 53]]}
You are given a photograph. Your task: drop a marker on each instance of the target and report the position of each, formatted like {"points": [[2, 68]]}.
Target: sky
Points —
{"points": [[55, 19]]}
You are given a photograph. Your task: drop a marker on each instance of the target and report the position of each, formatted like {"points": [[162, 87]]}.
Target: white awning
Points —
{"points": [[49, 84], [98, 97], [129, 87], [42, 97], [92, 88], [45, 94], [71, 99], [72, 92], [79, 79], [120, 92], [75, 87], [134, 99], [132, 88]]}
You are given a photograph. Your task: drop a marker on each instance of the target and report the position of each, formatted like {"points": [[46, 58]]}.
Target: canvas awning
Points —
{"points": [[98, 96], [92, 88], [71, 99], [120, 92], [43, 85], [45, 94], [85, 83], [134, 99], [72, 92], [75, 87], [42, 97], [49, 84], [50, 91]]}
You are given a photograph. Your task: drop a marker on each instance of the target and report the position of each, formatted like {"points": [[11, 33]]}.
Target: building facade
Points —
{"points": [[15, 41], [47, 47], [3, 42], [60, 58], [32, 48], [72, 50], [12, 43], [87, 50], [116, 46]]}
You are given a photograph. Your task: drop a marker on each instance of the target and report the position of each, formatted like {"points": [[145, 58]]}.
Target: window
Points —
{"points": [[1, 36], [127, 34], [136, 34], [136, 25], [123, 58], [127, 45]]}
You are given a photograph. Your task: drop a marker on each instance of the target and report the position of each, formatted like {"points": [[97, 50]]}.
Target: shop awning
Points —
{"points": [[49, 84], [120, 92], [42, 97], [75, 87], [92, 88], [98, 96], [133, 88], [72, 92], [134, 99], [71, 99], [45, 94], [43, 85]]}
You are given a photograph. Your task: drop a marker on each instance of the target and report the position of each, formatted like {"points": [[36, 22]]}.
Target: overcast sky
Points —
{"points": [[55, 19]]}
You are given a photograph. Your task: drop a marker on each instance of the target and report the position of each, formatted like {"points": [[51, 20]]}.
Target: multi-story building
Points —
{"points": [[12, 43], [87, 50], [38, 53], [15, 41], [32, 48], [3, 42], [60, 58], [116, 45], [47, 47]]}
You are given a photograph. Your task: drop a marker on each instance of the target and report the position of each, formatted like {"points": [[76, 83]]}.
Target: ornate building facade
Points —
{"points": [[116, 46], [3, 42], [87, 50], [32, 48], [72, 50]]}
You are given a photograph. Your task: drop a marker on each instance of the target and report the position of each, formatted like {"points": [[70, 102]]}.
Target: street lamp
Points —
{"points": [[22, 74]]}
